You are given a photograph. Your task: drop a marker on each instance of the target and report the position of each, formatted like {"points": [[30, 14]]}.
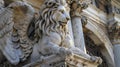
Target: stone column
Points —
{"points": [[114, 31], [78, 33], [117, 54], [76, 9], [70, 30], [116, 50]]}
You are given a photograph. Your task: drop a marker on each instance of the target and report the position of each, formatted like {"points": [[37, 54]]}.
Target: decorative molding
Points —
{"points": [[105, 42], [74, 60], [114, 32], [95, 14]]}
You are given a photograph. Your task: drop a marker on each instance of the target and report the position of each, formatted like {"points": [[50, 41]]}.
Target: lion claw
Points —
{"points": [[96, 59], [65, 52]]}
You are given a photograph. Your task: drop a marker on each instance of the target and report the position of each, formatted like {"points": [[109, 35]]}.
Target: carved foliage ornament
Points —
{"points": [[84, 20], [114, 30], [78, 5]]}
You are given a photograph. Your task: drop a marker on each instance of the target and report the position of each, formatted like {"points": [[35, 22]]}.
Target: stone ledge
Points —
{"points": [[77, 60], [57, 61]]}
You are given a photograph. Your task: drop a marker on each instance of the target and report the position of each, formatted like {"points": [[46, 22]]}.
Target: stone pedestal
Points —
{"points": [[78, 33], [71, 61], [117, 54]]}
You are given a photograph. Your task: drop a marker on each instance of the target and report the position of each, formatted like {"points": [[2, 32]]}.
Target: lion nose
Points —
{"points": [[67, 18]]}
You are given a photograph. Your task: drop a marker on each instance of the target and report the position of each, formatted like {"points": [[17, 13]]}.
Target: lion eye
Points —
{"points": [[62, 11], [49, 3]]}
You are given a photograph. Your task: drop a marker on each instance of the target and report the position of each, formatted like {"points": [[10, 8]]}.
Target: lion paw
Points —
{"points": [[65, 52], [96, 59]]}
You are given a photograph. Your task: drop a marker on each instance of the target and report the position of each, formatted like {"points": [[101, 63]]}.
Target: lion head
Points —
{"points": [[54, 16]]}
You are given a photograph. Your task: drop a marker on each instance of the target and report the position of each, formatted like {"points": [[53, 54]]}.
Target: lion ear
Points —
{"points": [[49, 3], [63, 2]]}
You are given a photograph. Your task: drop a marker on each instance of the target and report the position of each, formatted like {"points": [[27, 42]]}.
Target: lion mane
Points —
{"points": [[45, 23]]}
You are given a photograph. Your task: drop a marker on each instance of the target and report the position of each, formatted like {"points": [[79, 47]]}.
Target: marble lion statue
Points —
{"points": [[19, 44], [51, 31]]}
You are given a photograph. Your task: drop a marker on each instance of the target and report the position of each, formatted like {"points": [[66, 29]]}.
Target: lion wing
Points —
{"points": [[14, 41], [6, 25], [20, 37]]}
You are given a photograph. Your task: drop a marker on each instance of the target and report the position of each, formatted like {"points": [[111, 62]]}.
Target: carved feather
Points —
{"points": [[23, 14], [14, 22], [6, 26]]}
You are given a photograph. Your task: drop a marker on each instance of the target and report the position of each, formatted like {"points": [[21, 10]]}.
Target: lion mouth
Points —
{"points": [[63, 23]]}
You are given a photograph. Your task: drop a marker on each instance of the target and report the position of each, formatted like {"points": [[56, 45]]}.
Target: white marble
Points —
{"points": [[78, 33], [117, 54], [70, 29]]}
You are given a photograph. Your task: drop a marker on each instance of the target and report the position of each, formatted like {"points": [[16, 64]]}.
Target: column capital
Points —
{"points": [[84, 20], [114, 32], [77, 6]]}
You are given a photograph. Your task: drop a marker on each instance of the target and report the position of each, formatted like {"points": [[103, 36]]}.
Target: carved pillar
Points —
{"points": [[78, 33], [70, 30], [116, 49], [114, 31], [117, 54], [76, 9]]}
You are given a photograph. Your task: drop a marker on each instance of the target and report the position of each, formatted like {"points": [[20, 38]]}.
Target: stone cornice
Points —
{"points": [[95, 14]]}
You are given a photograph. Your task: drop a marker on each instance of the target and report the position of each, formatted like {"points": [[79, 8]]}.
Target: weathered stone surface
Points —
{"points": [[43, 40], [76, 9], [78, 31], [117, 54]]}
